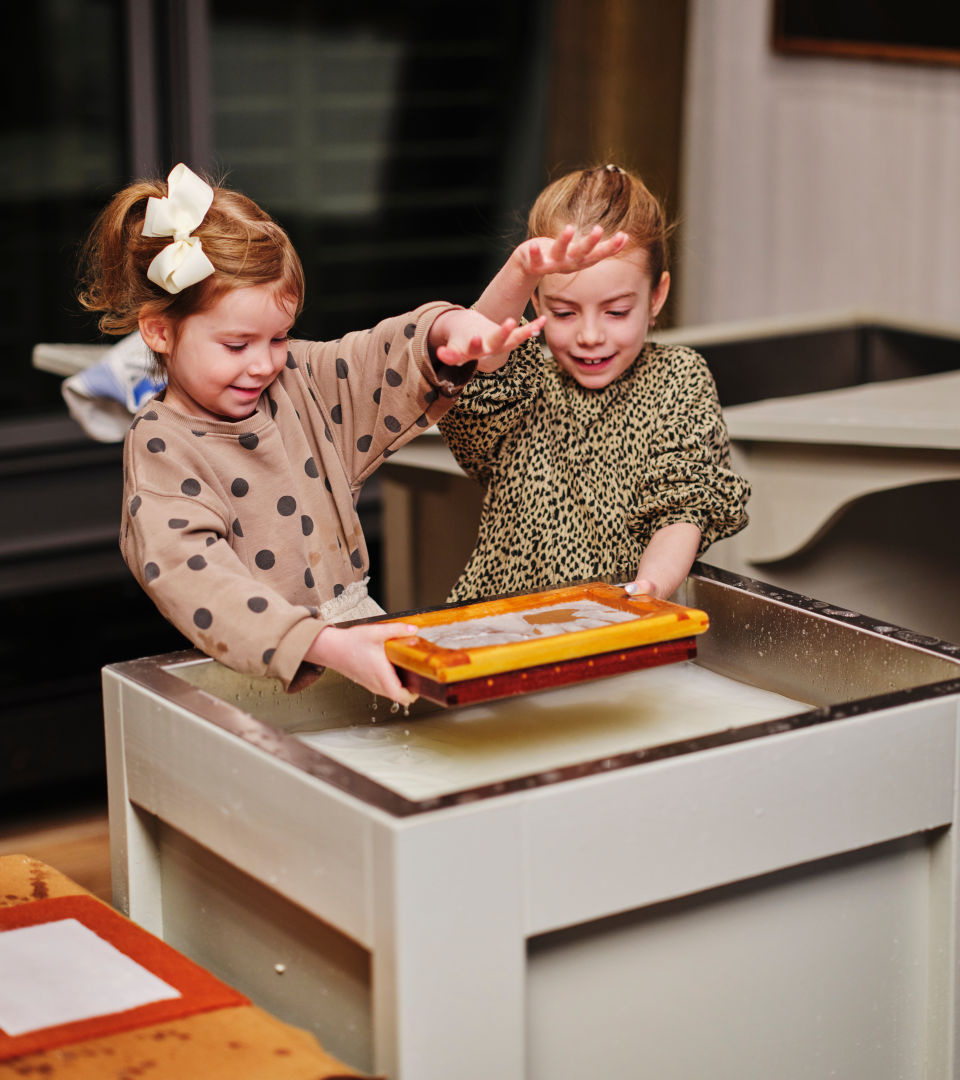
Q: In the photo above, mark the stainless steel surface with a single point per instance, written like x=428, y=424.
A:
x=809, y=649
x=840, y=662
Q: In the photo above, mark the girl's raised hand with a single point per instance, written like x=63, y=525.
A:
x=357, y=652
x=462, y=335
x=568, y=252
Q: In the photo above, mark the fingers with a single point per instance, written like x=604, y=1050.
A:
x=506, y=337
x=641, y=587
x=560, y=248
x=593, y=248
x=394, y=689
x=567, y=253
x=522, y=333
x=582, y=248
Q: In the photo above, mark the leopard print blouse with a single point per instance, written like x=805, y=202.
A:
x=577, y=481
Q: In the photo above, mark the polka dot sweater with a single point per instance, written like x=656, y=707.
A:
x=577, y=480
x=245, y=533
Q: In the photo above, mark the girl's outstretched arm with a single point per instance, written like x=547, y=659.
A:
x=506, y=297
x=357, y=652
x=666, y=561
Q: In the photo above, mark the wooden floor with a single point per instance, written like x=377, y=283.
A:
x=77, y=843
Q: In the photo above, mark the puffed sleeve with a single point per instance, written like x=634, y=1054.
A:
x=379, y=388
x=176, y=547
x=689, y=478
x=490, y=408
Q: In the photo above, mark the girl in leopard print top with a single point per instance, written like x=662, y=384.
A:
x=608, y=458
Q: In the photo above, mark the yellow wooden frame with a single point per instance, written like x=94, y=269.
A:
x=657, y=620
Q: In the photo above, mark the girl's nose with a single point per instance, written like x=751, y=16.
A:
x=259, y=361
x=589, y=331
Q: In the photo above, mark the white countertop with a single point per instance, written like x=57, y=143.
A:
x=917, y=412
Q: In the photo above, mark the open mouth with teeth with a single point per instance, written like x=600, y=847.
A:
x=592, y=361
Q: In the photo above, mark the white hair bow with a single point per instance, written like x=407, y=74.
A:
x=183, y=262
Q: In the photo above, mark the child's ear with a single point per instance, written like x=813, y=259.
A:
x=157, y=332
x=659, y=295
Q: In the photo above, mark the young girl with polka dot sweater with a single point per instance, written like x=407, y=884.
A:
x=609, y=458
x=241, y=478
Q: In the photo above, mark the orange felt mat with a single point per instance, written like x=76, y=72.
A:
x=211, y=1031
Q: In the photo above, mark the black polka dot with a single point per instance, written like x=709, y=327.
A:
x=239, y=487
x=431, y=395
x=336, y=414
x=392, y=424
x=309, y=369
x=137, y=421
x=376, y=395
x=257, y=604
x=337, y=590
x=291, y=363
x=178, y=523
x=190, y=486
x=386, y=347
x=363, y=443
x=151, y=571
x=156, y=446
x=265, y=559
x=135, y=505
x=237, y=531
x=388, y=452
x=355, y=558
x=249, y=442
x=326, y=484
x=312, y=395
x=197, y=562
x=268, y=656
x=342, y=370
x=409, y=330
x=308, y=578
x=310, y=468
x=199, y=434
x=393, y=378
x=327, y=433
x=422, y=421
x=286, y=505
x=202, y=618
x=210, y=541
x=306, y=523
x=151, y=415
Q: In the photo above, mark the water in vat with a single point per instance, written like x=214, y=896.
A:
x=453, y=749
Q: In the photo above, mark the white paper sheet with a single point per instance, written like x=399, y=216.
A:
x=60, y=972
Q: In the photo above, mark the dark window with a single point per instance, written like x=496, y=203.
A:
x=385, y=140
x=63, y=152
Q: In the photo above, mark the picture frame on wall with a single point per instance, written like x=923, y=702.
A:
x=926, y=31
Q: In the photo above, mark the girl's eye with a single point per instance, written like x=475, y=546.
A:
x=235, y=348
x=561, y=314
x=280, y=340
x=619, y=314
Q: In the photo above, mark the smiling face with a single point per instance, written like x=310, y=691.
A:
x=597, y=319
x=219, y=361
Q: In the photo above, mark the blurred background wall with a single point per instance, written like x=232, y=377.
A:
x=815, y=183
